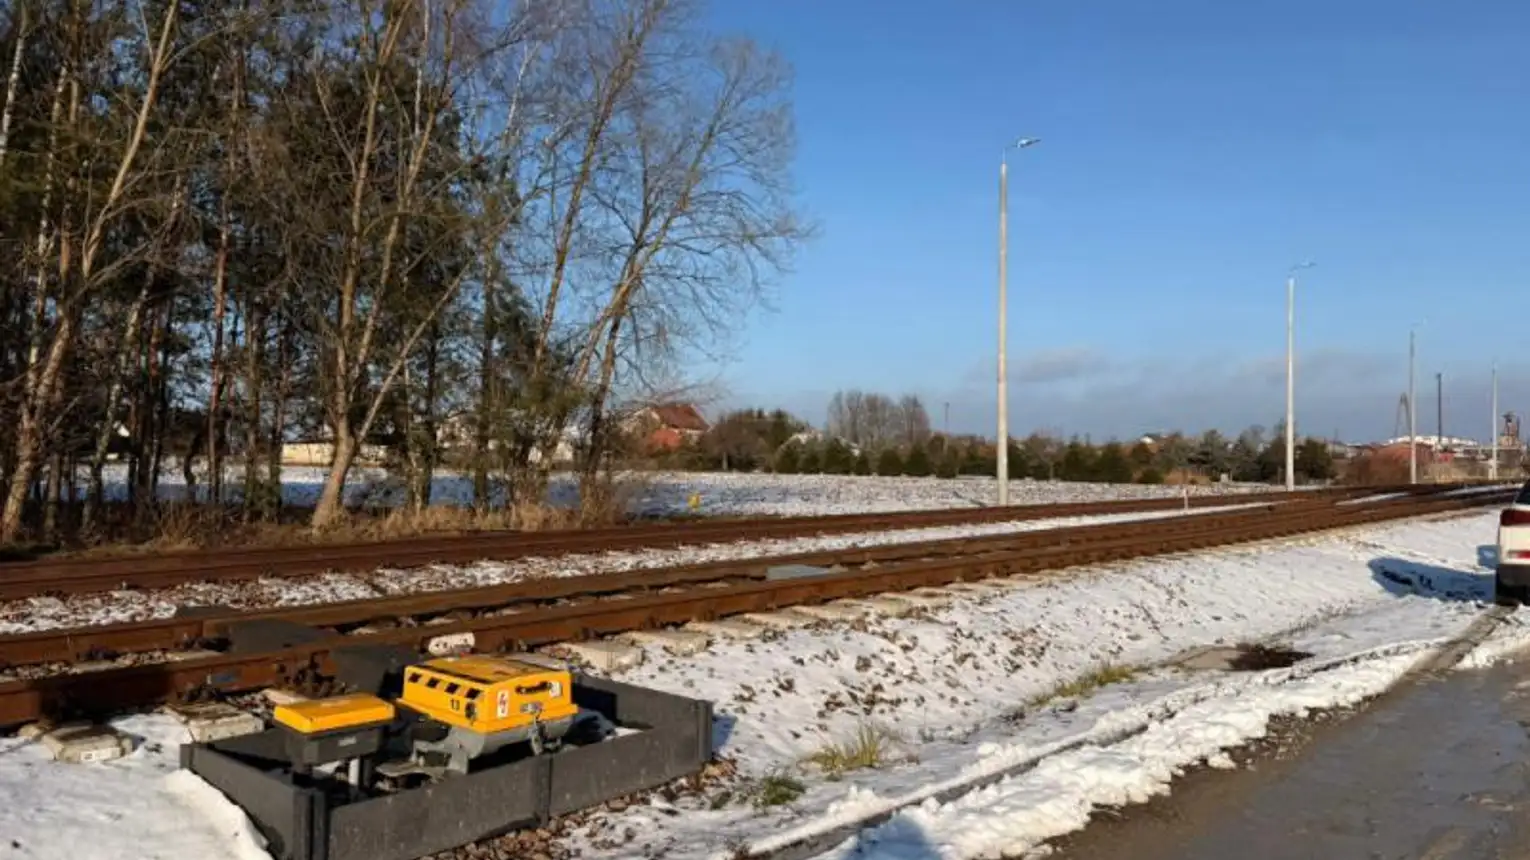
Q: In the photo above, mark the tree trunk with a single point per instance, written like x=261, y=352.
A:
x=279, y=424
x=95, y=494
x=254, y=350
x=487, y=401
x=30, y=430
x=12, y=81
x=332, y=498
x=52, y=500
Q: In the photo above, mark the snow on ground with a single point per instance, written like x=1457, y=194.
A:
x=141, y=807
x=962, y=690
x=963, y=694
x=722, y=493
x=45, y=613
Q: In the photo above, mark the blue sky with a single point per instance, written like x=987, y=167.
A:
x=1192, y=150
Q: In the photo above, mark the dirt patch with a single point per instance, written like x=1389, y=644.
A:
x=1257, y=658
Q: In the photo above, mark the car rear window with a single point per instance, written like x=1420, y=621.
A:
x=1524, y=495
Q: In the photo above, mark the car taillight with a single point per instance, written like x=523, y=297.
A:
x=1514, y=517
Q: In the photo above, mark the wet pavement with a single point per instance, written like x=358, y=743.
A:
x=1439, y=769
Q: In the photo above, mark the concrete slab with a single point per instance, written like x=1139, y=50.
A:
x=605, y=655
x=681, y=642
x=282, y=697
x=728, y=628
x=924, y=598
x=194, y=654
x=795, y=571
x=985, y=588
x=836, y=611
x=781, y=619
x=85, y=666
x=81, y=743
x=881, y=606
x=214, y=721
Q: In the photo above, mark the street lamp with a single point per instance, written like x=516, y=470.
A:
x=1291, y=373
x=1003, y=446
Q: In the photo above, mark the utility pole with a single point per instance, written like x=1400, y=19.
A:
x=948, y=419
x=1291, y=374
x=1003, y=440
x=1493, y=463
x=1412, y=410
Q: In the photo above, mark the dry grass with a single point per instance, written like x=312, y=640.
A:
x=777, y=788
x=1102, y=676
x=870, y=746
x=175, y=526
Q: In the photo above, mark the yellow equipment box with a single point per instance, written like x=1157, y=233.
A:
x=336, y=713
x=488, y=694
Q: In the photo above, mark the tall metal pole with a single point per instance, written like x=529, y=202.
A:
x=1412, y=410
x=1439, y=404
x=1493, y=463
x=1003, y=440
x=1291, y=383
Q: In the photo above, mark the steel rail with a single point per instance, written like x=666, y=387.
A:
x=84, y=575
x=113, y=690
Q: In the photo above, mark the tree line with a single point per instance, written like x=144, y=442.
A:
x=409, y=226
x=876, y=434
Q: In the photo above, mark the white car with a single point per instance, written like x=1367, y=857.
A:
x=1511, y=584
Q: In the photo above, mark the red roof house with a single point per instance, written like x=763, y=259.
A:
x=668, y=426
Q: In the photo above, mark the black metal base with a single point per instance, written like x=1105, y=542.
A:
x=303, y=820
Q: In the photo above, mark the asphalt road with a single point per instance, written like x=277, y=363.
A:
x=1439, y=770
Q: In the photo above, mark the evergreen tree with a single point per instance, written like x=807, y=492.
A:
x=889, y=463
x=788, y=459
x=1077, y=462
x=837, y=459
x=1314, y=461
x=918, y=462
x=811, y=460
x=1112, y=466
x=1211, y=454
x=862, y=464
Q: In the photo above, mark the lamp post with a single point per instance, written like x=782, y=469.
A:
x=1003, y=441
x=1291, y=373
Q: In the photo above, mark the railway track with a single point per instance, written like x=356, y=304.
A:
x=85, y=575
x=544, y=616
x=211, y=625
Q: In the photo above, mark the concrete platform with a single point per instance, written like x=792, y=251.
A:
x=728, y=628
x=888, y=606
x=605, y=655
x=836, y=611
x=215, y=721
x=80, y=743
x=781, y=619
x=680, y=642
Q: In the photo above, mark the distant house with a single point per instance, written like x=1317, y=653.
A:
x=666, y=427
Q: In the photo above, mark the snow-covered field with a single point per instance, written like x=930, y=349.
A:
x=721, y=493
x=960, y=695
x=44, y=613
